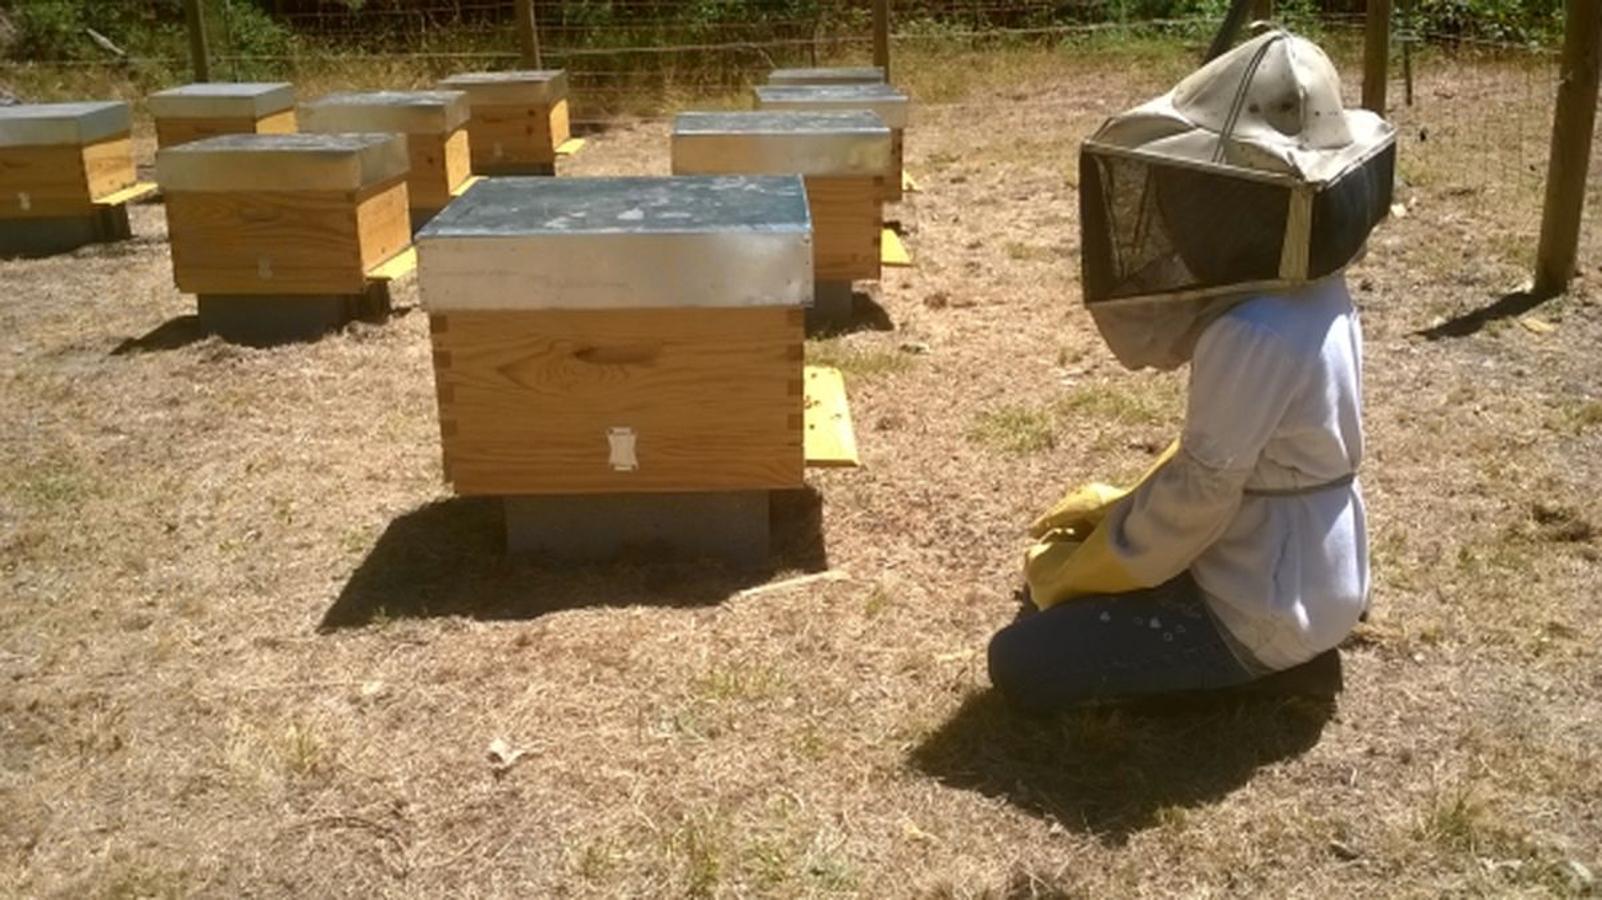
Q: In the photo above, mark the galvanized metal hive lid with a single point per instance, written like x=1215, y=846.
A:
x=69, y=124
x=847, y=143
x=282, y=162
x=890, y=104
x=619, y=243
x=542, y=86
x=832, y=75
x=406, y=112
x=223, y=100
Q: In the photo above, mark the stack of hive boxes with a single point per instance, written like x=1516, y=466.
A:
x=62, y=169
x=519, y=119
x=197, y=111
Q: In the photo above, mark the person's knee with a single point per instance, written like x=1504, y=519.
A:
x=1010, y=662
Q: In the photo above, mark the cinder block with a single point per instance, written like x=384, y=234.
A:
x=729, y=525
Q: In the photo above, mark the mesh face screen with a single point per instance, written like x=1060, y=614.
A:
x=1347, y=210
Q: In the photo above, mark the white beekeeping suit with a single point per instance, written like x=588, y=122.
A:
x=1217, y=221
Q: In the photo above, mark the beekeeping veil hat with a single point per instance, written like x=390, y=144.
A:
x=1247, y=177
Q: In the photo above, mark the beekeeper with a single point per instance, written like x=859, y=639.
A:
x=1217, y=220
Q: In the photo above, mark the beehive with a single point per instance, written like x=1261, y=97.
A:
x=197, y=111
x=435, y=126
x=284, y=214
x=833, y=75
x=620, y=335
x=57, y=159
x=519, y=119
x=842, y=156
x=888, y=103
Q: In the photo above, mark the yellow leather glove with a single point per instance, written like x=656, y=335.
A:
x=1083, y=508
x=1058, y=570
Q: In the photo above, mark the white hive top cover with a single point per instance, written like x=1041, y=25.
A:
x=1247, y=177
x=404, y=112
x=283, y=162
x=619, y=243
x=890, y=104
x=223, y=100
x=836, y=144
x=833, y=75
x=541, y=87
x=63, y=124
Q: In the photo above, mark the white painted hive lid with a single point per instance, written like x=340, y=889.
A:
x=620, y=243
x=849, y=143
x=282, y=162
x=891, y=105
x=404, y=112
x=64, y=124
x=830, y=75
x=223, y=100
x=535, y=86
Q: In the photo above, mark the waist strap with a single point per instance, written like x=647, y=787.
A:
x=1341, y=482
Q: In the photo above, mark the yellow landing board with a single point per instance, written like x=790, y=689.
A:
x=399, y=266
x=570, y=147
x=891, y=251
x=909, y=185
x=467, y=182
x=831, y=441
x=131, y=194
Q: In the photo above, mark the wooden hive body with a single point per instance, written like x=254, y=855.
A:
x=842, y=156
x=198, y=111
x=889, y=104
x=57, y=159
x=627, y=335
x=435, y=124
x=518, y=118
x=284, y=214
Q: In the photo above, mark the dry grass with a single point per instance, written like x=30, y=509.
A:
x=249, y=644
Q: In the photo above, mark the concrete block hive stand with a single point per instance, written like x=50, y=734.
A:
x=66, y=176
x=843, y=158
x=434, y=124
x=891, y=105
x=198, y=111
x=519, y=119
x=286, y=236
x=621, y=358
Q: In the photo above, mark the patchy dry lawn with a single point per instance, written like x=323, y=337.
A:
x=250, y=645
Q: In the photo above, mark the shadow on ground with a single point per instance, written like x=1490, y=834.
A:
x=448, y=559
x=1507, y=307
x=866, y=315
x=1113, y=772
x=173, y=334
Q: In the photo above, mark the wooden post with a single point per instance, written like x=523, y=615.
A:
x=1571, y=148
x=528, y=34
x=1234, y=18
x=1376, y=55
x=1263, y=10
x=881, y=36
x=198, y=55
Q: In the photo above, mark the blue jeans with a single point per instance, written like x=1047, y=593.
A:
x=1154, y=641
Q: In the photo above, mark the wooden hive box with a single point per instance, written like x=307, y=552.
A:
x=842, y=156
x=620, y=335
x=890, y=104
x=197, y=111
x=831, y=75
x=434, y=124
x=57, y=159
x=518, y=119
x=284, y=214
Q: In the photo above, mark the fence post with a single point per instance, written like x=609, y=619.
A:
x=198, y=56
x=881, y=36
x=1263, y=10
x=528, y=34
x=1376, y=55
x=1571, y=148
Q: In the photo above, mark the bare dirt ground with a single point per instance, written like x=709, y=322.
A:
x=249, y=644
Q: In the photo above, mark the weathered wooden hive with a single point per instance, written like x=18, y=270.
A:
x=284, y=214
x=831, y=75
x=197, y=111
x=433, y=122
x=620, y=335
x=519, y=119
x=58, y=159
x=889, y=104
x=842, y=156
